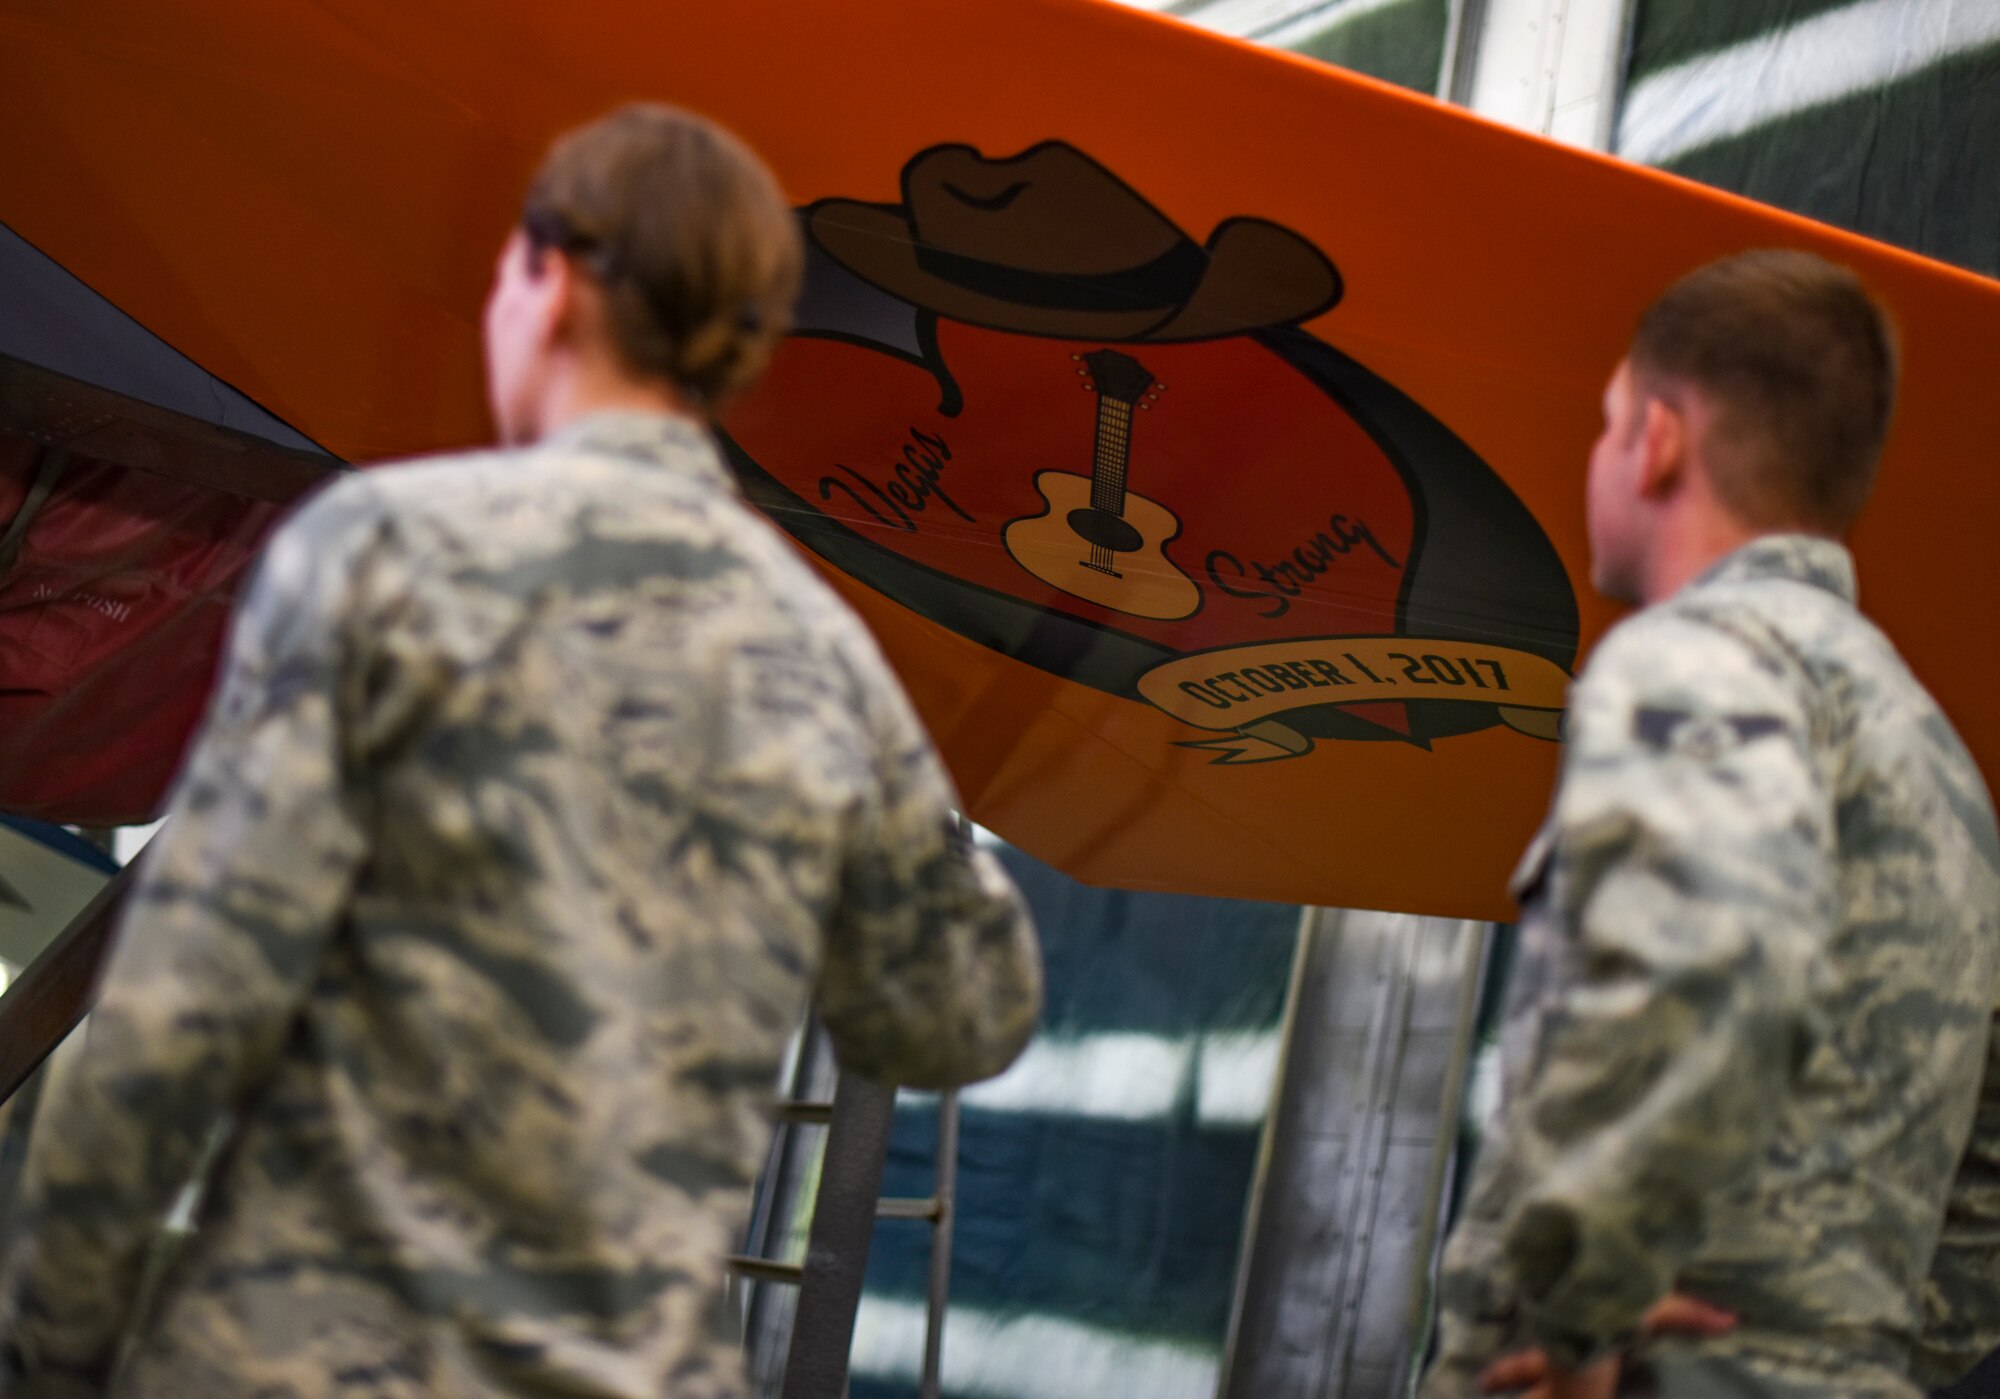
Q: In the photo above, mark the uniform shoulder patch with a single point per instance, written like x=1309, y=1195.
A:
x=1701, y=736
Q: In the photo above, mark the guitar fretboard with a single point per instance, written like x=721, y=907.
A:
x=1108, y=467
x=1114, y=444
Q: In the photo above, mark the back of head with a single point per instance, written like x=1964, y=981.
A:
x=689, y=236
x=1798, y=363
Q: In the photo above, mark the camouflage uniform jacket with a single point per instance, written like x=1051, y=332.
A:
x=540, y=791
x=1745, y=1044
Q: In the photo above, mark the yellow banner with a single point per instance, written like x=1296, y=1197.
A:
x=1241, y=687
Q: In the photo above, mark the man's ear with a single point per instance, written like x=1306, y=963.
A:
x=1663, y=448
x=554, y=279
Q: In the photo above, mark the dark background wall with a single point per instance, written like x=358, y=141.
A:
x=1911, y=155
x=1102, y=1180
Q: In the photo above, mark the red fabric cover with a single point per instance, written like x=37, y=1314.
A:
x=111, y=621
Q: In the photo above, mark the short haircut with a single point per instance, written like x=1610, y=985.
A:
x=688, y=234
x=1799, y=363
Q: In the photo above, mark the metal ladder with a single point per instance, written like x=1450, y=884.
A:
x=846, y=1207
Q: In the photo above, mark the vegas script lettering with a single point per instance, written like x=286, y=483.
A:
x=910, y=487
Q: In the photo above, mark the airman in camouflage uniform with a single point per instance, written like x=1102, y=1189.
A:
x=1753, y=1017
x=541, y=789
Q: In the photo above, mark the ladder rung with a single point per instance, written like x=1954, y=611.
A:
x=892, y=1208
x=798, y=1110
x=763, y=1269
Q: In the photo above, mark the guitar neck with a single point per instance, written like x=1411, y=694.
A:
x=1114, y=444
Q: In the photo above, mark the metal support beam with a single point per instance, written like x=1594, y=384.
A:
x=48, y=407
x=47, y=1000
x=1555, y=67
x=943, y=1202
x=1464, y=23
x=845, y=1167
x=1362, y=1130
x=843, y=1227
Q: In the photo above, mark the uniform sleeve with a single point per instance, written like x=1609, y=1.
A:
x=233, y=905
x=1693, y=874
x=932, y=975
x=1962, y=1300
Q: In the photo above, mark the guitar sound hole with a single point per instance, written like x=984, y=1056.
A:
x=1105, y=530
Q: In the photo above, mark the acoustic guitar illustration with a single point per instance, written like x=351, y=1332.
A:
x=1097, y=540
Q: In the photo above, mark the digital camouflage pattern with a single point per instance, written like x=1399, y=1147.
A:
x=1745, y=1044
x=541, y=790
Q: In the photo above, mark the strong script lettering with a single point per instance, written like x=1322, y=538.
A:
x=1276, y=584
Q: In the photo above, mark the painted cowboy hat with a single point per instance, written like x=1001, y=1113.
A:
x=1049, y=242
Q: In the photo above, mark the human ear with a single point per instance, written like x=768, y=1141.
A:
x=555, y=297
x=1663, y=448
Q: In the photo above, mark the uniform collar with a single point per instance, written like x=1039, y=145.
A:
x=663, y=439
x=1801, y=558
